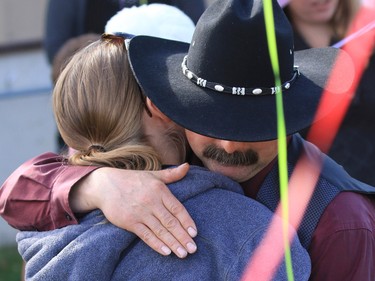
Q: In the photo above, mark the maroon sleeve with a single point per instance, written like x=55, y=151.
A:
x=343, y=245
x=35, y=196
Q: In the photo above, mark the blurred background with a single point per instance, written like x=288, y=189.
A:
x=26, y=125
x=26, y=121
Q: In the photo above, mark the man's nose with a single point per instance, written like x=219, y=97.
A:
x=228, y=146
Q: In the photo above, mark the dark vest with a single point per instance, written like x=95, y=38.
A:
x=333, y=179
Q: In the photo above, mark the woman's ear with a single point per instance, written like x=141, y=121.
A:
x=155, y=111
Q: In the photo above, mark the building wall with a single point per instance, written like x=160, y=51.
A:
x=21, y=21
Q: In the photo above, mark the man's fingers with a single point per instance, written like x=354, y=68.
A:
x=159, y=238
x=172, y=174
x=173, y=226
x=149, y=210
x=151, y=239
x=178, y=211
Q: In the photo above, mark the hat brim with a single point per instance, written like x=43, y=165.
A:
x=157, y=62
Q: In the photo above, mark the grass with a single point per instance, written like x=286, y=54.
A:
x=10, y=264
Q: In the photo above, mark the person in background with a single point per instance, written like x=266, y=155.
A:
x=319, y=24
x=325, y=23
x=66, y=19
x=102, y=114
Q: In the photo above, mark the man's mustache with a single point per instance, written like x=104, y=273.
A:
x=237, y=158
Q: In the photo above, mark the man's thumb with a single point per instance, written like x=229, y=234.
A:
x=174, y=174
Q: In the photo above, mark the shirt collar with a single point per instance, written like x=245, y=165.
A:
x=252, y=185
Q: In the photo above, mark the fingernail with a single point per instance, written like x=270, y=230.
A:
x=191, y=247
x=166, y=250
x=192, y=232
x=181, y=252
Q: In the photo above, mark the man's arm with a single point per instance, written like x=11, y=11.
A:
x=354, y=261
x=140, y=202
x=343, y=244
x=44, y=194
x=28, y=199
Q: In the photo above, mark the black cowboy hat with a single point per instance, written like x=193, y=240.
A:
x=222, y=84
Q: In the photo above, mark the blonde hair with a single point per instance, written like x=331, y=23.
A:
x=98, y=108
x=69, y=48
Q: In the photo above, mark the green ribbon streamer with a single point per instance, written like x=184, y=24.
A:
x=281, y=132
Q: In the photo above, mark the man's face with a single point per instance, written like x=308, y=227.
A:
x=239, y=161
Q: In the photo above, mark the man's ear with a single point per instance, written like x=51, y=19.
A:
x=155, y=111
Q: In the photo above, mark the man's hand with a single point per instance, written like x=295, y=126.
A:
x=140, y=202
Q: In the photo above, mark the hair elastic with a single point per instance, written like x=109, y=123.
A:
x=97, y=147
